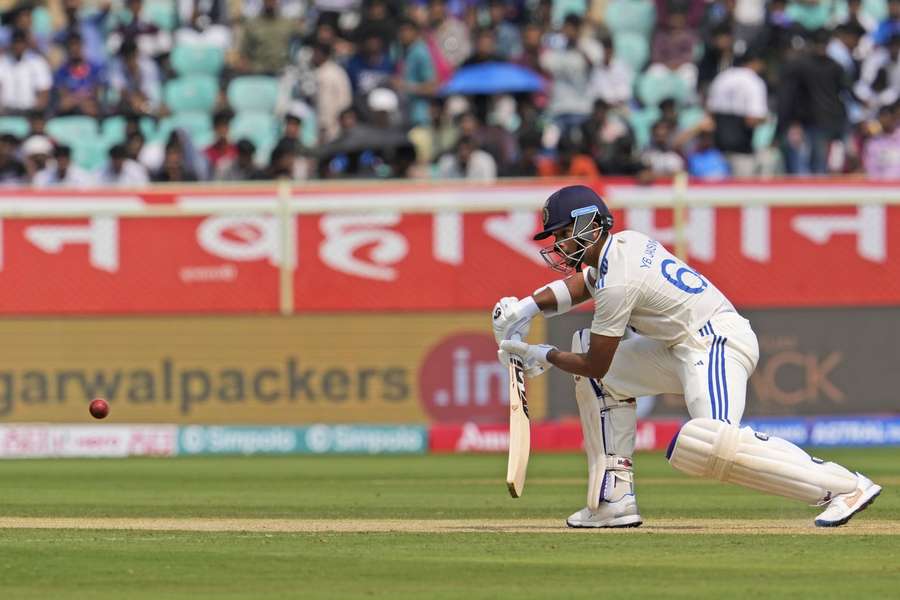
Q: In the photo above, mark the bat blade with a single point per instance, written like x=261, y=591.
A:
x=519, y=429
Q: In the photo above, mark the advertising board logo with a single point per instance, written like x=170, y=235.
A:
x=461, y=381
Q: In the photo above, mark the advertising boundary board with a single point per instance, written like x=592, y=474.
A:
x=240, y=250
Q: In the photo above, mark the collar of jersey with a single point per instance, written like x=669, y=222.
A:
x=603, y=265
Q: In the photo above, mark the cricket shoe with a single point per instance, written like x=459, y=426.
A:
x=843, y=506
x=621, y=513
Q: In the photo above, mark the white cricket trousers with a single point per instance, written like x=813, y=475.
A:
x=711, y=368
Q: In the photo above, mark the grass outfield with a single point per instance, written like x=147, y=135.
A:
x=421, y=527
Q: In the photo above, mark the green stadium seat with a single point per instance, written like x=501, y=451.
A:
x=17, y=126
x=74, y=129
x=161, y=13
x=90, y=154
x=641, y=122
x=690, y=116
x=41, y=22
x=653, y=88
x=632, y=48
x=194, y=93
x=810, y=16
x=198, y=126
x=112, y=130
x=197, y=59
x=633, y=16
x=253, y=93
x=259, y=128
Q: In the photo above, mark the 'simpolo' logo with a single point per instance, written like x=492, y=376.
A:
x=193, y=440
x=319, y=438
x=461, y=381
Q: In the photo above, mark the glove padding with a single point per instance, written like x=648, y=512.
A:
x=510, y=319
x=534, y=356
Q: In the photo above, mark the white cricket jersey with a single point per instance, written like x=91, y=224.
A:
x=640, y=284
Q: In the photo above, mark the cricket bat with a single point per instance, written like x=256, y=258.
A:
x=519, y=428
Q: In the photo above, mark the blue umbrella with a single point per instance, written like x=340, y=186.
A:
x=493, y=78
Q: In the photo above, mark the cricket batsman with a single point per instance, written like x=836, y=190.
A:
x=690, y=340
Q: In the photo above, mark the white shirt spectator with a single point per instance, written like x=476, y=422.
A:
x=878, y=60
x=613, y=83
x=21, y=81
x=217, y=36
x=133, y=174
x=738, y=91
x=480, y=167
x=571, y=73
x=74, y=177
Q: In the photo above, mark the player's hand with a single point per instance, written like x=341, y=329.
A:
x=512, y=317
x=534, y=356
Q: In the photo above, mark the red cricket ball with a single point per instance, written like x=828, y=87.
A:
x=99, y=408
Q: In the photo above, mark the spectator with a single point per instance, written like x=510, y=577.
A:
x=286, y=161
x=297, y=114
x=90, y=25
x=333, y=91
x=25, y=78
x=718, y=55
x=18, y=18
x=572, y=159
x=693, y=11
x=12, y=171
x=485, y=49
x=448, y=37
x=704, y=160
x=63, y=173
x=134, y=81
x=212, y=11
x=738, y=102
x=265, y=41
x=37, y=122
x=222, y=148
x=78, y=83
x=467, y=161
x=841, y=49
x=371, y=66
x=131, y=25
x=239, y=167
x=659, y=156
x=36, y=151
x=174, y=165
x=881, y=154
x=604, y=133
x=570, y=68
x=612, y=80
x=122, y=171
x=509, y=38
x=202, y=30
x=889, y=26
x=532, y=48
x=383, y=107
x=673, y=49
x=811, y=114
x=417, y=78
x=879, y=82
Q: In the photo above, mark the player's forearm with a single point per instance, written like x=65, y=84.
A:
x=576, y=364
x=547, y=300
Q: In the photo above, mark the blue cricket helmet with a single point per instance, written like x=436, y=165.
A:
x=566, y=203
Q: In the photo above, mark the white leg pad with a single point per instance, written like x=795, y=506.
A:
x=609, y=429
x=717, y=450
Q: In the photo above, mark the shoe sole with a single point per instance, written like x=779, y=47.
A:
x=622, y=525
x=862, y=507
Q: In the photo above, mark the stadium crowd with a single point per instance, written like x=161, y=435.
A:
x=131, y=91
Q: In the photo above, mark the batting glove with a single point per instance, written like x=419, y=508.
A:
x=512, y=317
x=534, y=356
